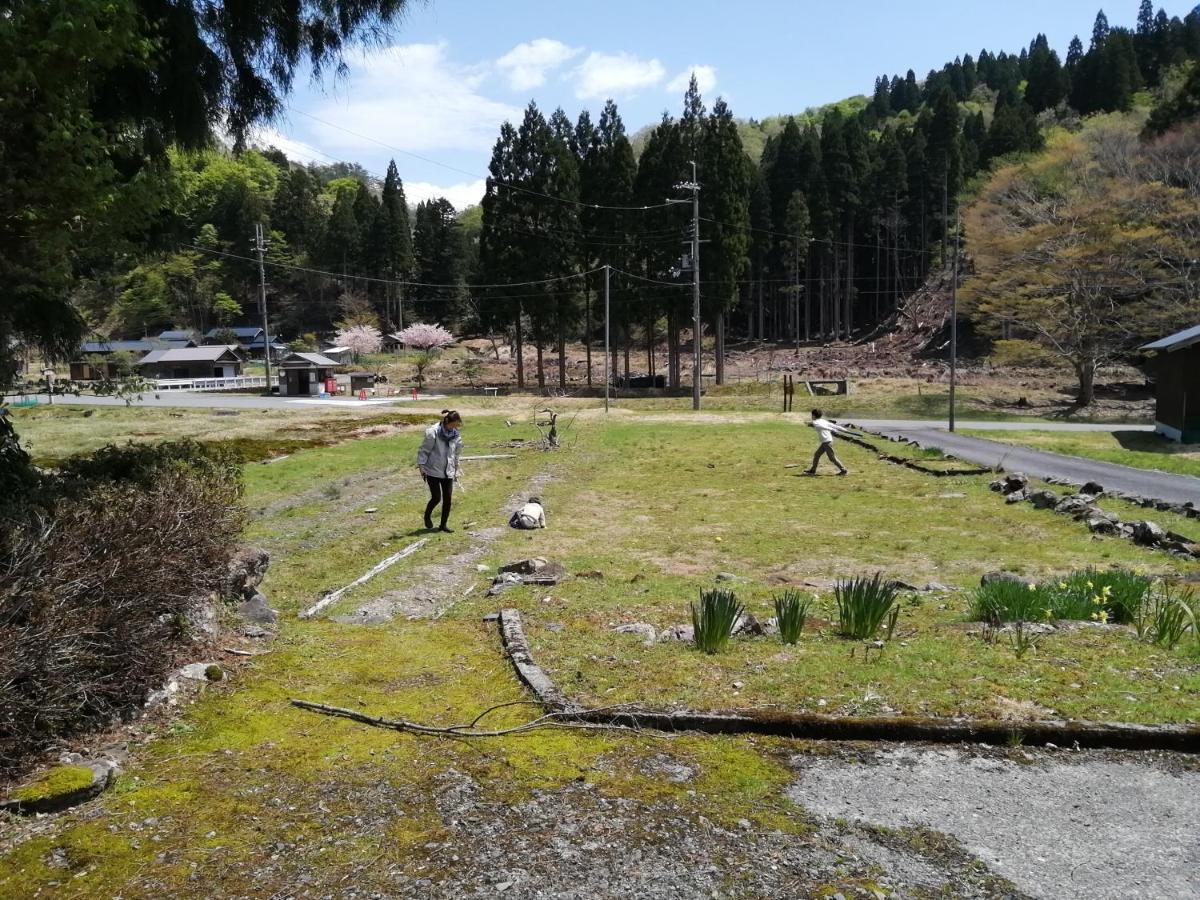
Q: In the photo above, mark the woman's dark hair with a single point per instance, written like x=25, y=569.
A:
x=817, y=414
x=450, y=415
x=537, y=500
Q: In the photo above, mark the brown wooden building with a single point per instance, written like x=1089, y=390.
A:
x=191, y=362
x=1176, y=370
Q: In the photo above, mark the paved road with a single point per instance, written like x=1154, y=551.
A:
x=1043, y=464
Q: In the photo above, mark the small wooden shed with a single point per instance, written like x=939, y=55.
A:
x=191, y=362
x=304, y=374
x=1176, y=370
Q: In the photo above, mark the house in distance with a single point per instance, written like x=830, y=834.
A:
x=191, y=362
x=1176, y=368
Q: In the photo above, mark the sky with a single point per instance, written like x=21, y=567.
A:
x=434, y=98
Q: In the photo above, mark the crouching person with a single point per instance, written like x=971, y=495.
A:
x=530, y=516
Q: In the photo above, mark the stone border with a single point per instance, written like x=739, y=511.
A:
x=914, y=464
x=102, y=776
x=815, y=726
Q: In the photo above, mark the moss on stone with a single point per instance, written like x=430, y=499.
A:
x=55, y=782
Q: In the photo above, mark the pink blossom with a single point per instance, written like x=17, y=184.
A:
x=420, y=336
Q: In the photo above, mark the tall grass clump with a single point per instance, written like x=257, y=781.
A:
x=1110, y=595
x=863, y=604
x=791, y=609
x=714, y=618
x=1168, y=616
x=1009, y=601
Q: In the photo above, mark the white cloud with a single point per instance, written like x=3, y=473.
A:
x=462, y=195
x=706, y=79
x=526, y=65
x=412, y=97
x=604, y=75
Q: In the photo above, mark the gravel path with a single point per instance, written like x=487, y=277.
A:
x=1055, y=824
x=1043, y=464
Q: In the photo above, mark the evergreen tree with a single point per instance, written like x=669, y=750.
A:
x=390, y=244
x=499, y=258
x=437, y=252
x=1074, y=54
x=340, y=246
x=1047, y=81
x=944, y=152
x=295, y=210
x=725, y=177
x=1100, y=30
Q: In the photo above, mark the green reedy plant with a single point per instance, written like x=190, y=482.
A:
x=791, y=610
x=1009, y=601
x=714, y=618
x=1172, y=615
x=863, y=604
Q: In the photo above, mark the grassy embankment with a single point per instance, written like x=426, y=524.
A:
x=1140, y=449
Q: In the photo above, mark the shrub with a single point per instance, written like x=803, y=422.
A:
x=791, y=609
x=97, y=580
x=714, y=618
x=1119, y=593
x=1009, y=601
x=863, y=604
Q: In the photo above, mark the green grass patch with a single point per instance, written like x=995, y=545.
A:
x=1140, y=449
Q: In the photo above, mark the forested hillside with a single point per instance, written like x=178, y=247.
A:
x=815, y=227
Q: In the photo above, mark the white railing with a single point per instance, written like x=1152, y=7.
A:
x=235, y=383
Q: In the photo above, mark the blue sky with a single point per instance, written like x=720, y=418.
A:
x=456, y=69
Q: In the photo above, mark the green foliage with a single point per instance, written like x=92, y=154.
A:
x=863, y=604
x=714, y=618
x=1009, y=601
x=1017, y=353
x=791, y=610
x=1170, y=615
x=1117, y=593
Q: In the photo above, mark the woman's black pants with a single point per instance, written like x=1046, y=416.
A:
x=441, y=490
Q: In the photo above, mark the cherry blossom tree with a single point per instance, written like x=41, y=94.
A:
x=360, y=339
x=426, y=340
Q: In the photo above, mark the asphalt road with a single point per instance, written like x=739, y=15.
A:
x=220, y=400
x=1043, y=464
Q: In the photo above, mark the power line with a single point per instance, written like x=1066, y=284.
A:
x=400, y=281
x=476, y=175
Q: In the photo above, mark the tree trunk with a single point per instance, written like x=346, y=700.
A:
x=1085, y=371
x=520, y=351
x=541, y=370
x=849, y=317
x=837, y=300
x=650, y=346
x=562, y=358
x=628, y=340
x=587, y=332
x=762, y=333
x=720, y=348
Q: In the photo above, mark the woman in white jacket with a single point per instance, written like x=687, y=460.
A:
x=438, y=461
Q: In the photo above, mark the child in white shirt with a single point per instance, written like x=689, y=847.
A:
x=825, y=431
x=530, y=516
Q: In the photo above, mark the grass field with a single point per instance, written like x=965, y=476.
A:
x=1141, y=449
x=658, y=503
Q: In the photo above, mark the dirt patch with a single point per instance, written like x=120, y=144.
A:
x=431, y=589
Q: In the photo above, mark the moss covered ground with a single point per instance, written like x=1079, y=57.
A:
x=246, y=795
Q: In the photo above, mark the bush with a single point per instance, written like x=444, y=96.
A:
x=1118, y=594
x=791, y=609
x=1168, y=616
x=713, y=620
x=863, y=604
x=1009, y=601
x=98, y=579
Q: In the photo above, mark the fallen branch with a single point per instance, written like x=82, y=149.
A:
x=563, y=719
x=489, y=456
x=337, y=595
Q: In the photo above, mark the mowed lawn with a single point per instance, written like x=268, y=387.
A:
x=662, y=508
x=1140, y=449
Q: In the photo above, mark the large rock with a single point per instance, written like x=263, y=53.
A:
x=683, y=633
x=257, y=610
x=245, y=573
x=1016, y=496
x=1075, y=506
x=1099, y=523
x=1148, y=534
x=1013, y=482
x=536, y=570
x=1092, y=489
x=748, y=624
x=62, y=787
x=992, y=577
x=646, y=631
x=1043, y=499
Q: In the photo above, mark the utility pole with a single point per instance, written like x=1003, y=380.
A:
x=606, y=336
x=261, y=247
x=954, y=316
x=694, y=187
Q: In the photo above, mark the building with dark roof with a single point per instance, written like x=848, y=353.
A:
x=191, y=362
x=1176, y=370
x=304, y=374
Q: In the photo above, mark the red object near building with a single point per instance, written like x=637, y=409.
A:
x=331, y=386
x=414, y=393
x=362, y=395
